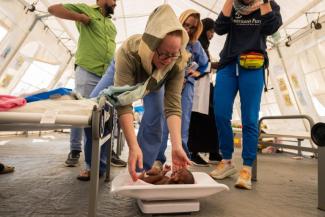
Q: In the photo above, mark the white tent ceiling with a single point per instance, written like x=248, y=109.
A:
x=131, y=15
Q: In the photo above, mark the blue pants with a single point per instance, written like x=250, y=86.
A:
x=187, y=103
x=249, y=83
x=84, y=84
x=151, y=127
x=106, y=81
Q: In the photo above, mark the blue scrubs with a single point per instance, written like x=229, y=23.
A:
x=199, y=56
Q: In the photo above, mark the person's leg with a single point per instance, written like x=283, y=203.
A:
x=214, y=156
x=187, y=104
x=224, y=94
x=250, y=89
x=84, y=84
x=150, y=130
x=161, y=155
x=106, y=81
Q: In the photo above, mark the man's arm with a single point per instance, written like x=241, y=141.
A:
x=60, y=11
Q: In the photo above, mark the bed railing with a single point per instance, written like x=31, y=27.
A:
x=320, y=151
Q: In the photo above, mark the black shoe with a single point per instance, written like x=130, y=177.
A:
x=116, y=161
x=214, y=158
x=198, y=161
x=73, y=159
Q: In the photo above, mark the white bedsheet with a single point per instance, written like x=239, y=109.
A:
x=58, y=111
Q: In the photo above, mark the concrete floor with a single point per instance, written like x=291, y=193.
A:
x=42, y=186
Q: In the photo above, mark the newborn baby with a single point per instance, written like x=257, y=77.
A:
x=158, y=177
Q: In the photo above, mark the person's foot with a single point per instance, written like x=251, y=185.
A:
x=6, y=169
x=116, y=161
x=84, y=175
x=244, y=180
x=223, y=170
x=73, y=159
x=214, y=158
x=197, y=160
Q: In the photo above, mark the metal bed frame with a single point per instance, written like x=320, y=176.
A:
x=319, y=152
x=102, y=113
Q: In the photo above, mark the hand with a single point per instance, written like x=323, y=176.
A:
x=179, y=159
x=194, y=74
x=135, y=157
x=83, y=18
x=214, y=65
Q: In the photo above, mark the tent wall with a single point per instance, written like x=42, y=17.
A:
x=28, y=39
x=298, y=74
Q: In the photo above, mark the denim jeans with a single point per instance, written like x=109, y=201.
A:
x=85, y=82
x=106, y=81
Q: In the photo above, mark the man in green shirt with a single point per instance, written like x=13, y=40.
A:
x=96, y=47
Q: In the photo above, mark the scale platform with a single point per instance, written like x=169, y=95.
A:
x=160, y=199
x=168, y=206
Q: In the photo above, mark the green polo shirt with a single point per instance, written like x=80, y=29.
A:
x=96, y=43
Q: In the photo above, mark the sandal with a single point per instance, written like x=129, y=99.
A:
x=6, y=169
x=84, y=175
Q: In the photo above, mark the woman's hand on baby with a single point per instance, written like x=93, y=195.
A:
x=135, y=159
x=179, y=159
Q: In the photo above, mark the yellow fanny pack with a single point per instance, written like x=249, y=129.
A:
x=251, y=60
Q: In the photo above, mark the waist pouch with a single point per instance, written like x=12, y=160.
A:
x=251, y=60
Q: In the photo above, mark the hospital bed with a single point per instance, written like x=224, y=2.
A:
x=297, y=137
x=67, y=113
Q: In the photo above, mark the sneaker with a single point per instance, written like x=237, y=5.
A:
x=198, y=161
x=116, y=161
x=223, y=170
x=214, y=158
x=73, y=159
x=244, y=180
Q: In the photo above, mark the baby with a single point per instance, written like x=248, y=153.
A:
x=158, y=177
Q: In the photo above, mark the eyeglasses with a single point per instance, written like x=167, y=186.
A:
x=189, y=27
x=166, y=56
